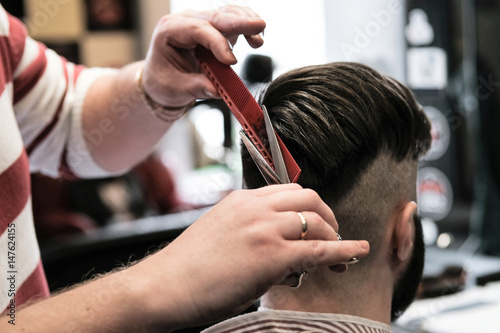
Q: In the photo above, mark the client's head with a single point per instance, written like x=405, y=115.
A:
x=357, y=136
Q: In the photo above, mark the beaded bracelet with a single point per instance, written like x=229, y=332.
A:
x=165, y=113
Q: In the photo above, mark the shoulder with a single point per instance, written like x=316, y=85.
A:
x=296, y=321
x=12, y=39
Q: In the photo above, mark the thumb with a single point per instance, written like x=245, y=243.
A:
x=200, y=86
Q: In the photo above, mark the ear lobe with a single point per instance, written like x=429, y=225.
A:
x=404, y=231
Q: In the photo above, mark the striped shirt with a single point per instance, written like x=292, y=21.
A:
x=41, y=96
x=274, y=321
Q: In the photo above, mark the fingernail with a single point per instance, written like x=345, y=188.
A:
x=231, y=55
x=208, y=93
x=340, y=268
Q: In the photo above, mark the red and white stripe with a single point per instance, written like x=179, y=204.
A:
x=292, y=321
x=41, y=97
x=15, y=203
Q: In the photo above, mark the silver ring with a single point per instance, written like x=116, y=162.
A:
x=304, y=226
x=294, y=280
x=298, y=276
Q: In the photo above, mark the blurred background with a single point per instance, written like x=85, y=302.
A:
x=446, y=51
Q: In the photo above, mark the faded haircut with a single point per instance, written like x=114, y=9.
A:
x=357, y=136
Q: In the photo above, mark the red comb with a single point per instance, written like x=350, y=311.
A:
x=243, y=106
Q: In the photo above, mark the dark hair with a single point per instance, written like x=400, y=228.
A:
x=337, y=120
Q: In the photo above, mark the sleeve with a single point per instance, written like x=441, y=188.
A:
x=48, y=97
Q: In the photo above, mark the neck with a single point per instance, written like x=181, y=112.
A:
x=358, y=292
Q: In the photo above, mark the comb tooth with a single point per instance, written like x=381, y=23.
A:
x=237, y=90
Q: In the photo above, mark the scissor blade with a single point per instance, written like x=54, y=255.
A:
x=265, y=169
x=279, y=162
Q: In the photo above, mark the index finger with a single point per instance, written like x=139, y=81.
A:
x=255, y=40
x=270, y=189
x=234, y=20
x=231, y=23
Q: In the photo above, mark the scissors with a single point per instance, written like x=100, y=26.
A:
x=278, y=175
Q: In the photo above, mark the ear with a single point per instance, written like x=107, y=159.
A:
x=404, y=231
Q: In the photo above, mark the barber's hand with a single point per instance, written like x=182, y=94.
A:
x=172, y=76
x=247, y=243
